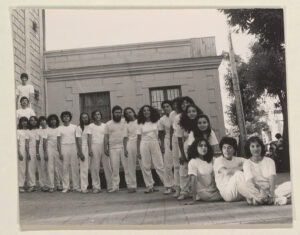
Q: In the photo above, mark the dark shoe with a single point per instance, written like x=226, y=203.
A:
x=131, y=190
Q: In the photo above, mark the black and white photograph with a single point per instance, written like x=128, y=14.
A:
x=151, y=117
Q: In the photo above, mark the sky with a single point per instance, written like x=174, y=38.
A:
x=75, y=28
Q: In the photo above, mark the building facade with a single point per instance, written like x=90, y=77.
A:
x=28, y=43
x=133, y=75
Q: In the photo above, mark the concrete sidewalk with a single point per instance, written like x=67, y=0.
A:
x=74, y=209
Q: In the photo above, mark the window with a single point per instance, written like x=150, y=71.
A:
x=92, y=101
x=157, y=95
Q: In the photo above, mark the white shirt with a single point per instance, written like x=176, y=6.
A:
x=82, y=134
x=97, y=132
x=165, y=125
x=42, y=135
x=212, y=139
x=172, y=116
x=116, y=131
x=22, y=136
x=220, y=162
x=24, y=91
x=148, y=131
x=131, y=130
x=175, y=118
x=28, y=112
x=67, y=134
x=260, y=171
x=51, y=136
x=32, y=136
x=204, y=174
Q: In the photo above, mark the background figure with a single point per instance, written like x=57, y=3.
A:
x=24, y=110
x=24, y=90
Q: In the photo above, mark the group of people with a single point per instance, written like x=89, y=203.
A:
x=180, y=145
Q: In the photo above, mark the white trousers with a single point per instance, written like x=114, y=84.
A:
x=84, y=168
x=31, y=167
x=99, y=156
x=151, y=153
x=22, y=167
x=176, y=165
x=117, y=155
x=132, y=152
x=42, y=167
x=70, y=160
x=54, y=167
x=168, y=164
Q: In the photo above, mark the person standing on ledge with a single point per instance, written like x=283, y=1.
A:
x=25, y=89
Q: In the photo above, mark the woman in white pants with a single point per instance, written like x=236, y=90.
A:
x=67, y=152
x=260, y=172
x=164, y=130
x=82, y=150
x=21, y=138
x=32, y=152
x=96, y=132
x=54, y=163
x=130, y=148
x=148, y=148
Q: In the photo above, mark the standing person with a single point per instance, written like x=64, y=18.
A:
x=260, y=172
x=24, y=90
x=32, y=152
x=113, y=147
x=148, y=148
x=96, y=132
x=82, y=150
x=200, y=168
x=42, y=163
x=130, y=148
x=24, y=111
x=203, y=129
x=54, y=163
x=187, y=123
x=21, y=138
x=164, y=130
x=174, y=119
x=67, y=152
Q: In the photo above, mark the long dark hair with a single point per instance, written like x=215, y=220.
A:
x=37, y=121
x=125, y=116
x=193, y=152
x=50, y=117
x=81, y=124
x=154, y=115
x=186, y=123
x=198, y=133
x=22, y=119
x=41, y=118
x=254, y=139
x=182, y=99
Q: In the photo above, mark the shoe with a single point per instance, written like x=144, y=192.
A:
x=84, y=191
x=176, y=194
x=149, y=190
x=168, y=191
x=131, y=190
x=113, y=190
x=181, y=197
x=30, y=189
x=65, y=190
x=45, y=189
x=76, y=190
x=96, y=190
x=280, y=201
x=51, y=190
x=59, y=188
x=21, y=190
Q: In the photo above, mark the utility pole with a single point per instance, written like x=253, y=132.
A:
x=238, y=98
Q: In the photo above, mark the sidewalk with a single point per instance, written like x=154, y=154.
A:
x=73, y=209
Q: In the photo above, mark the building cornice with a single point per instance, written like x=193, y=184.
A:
x=133, y=69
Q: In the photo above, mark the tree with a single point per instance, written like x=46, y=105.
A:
x=266, y=68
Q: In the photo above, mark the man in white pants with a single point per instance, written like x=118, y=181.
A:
x=113, y=146
x=67, y=152
x=164, y=129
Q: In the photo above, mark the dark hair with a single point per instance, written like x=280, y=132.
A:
x=176, y=101
x=50, y=117
x=193, y=152
x=94, y=112
x=197, y=132
x=166, y=102
x=22, y=119
x=278, y=136
x=24, y=75
x=254, y=139
x=66, y=113
x=154, y=115
x=81, y=124
x=117, y=107
x=30, y=126
x=186, y=123
x=41, y=118
x=228, y=140
x=125, y=116
x=24, y=98
x=184, y=98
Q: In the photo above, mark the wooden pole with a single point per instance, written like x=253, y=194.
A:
x=237, y=95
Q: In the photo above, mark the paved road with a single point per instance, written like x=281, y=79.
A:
x=74, y=209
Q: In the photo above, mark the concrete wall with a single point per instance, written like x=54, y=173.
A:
x=28, y=51
x=191, y=64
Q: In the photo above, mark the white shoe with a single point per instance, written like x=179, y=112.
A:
x=65, y=190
